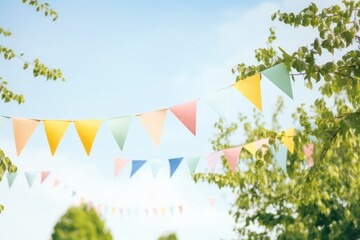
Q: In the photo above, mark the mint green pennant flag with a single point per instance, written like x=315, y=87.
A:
x=119, y=128
x=219, y=102
x=280, y=156
x=279, y=75
x=11, y=178
x=30, y=177
x=192, y=163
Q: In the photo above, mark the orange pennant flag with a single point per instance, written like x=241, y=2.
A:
x=288, y=139
x=250, y=88
x=186, y=113
x=87, y=130
x=153, y=122
x=23, y=129
x=54, y=132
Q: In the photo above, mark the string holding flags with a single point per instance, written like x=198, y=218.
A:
x=153, y=121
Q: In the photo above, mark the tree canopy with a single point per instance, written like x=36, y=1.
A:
x=318, y=202
x=38, y=69
x=80, y=223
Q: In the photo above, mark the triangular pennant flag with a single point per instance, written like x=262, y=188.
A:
x=212, y=201
x=87, y=130
x=56, y=182
x=171, y=209
x=219, y=102
x=136, y=165
x=174, y=164
x=280, y=156
x=181, y=208
x=251, y=148
x=288, y=139
x=186, y=113
x=120, y=164
x=213, y=159
x=23, y=129
x=232, y=155
x=54, y=132
x=313, y=139
x=153, y=122
x=308, y=152
x=279, y=75
x=44, y=175
x=119, y=128
x=30, y=177
x=192, y=163
x=155, y=166
x=11, y=178
x=259, y=144
x=250, y=88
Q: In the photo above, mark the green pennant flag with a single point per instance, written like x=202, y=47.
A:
x=279, y=75
x=119, y=128
x=11, y=178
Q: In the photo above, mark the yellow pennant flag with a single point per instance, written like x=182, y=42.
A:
x=288, y=139
x=23, y=129
x=87, y=130
x=251, y=148
x=55, y=130
x=154, y=122
x=250, y=88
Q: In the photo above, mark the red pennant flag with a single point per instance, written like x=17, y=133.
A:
x=186, y=113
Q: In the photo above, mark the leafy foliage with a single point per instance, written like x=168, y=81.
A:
x=171, y=236
x=322, y=202
x=80, y=223
x=38, y=69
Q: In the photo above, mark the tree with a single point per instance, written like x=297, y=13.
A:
x=38, y=69
x=80, y=223
x=171, y=236
x=321, y=202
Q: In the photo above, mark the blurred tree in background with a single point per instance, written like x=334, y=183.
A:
x=171, y=236
x=318, y=202
x=80, y=223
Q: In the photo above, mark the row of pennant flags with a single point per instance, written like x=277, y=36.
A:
x=154, y=121
x=100, y=208
x=232, y=156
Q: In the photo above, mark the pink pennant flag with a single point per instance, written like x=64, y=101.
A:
x=44, y=175
x=120, y=164
x=56, y=182
x=153, y=122
x=146, y=211
x=259, y=144
x=186, y=113
x=213, y=159
x=155, y=211
x=232, y=155
x=180, y=207
x=308, y=152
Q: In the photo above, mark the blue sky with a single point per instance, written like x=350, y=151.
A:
x=129, y=57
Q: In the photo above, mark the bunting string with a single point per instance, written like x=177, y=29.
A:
x=154, y=121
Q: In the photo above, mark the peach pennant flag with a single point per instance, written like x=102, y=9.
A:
x=87, y=130
x=154, y=122
x=23, y=129
x=120, y=164
x=186, y=113
x=232, y=155
x=250, y=88
x=54, y=132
